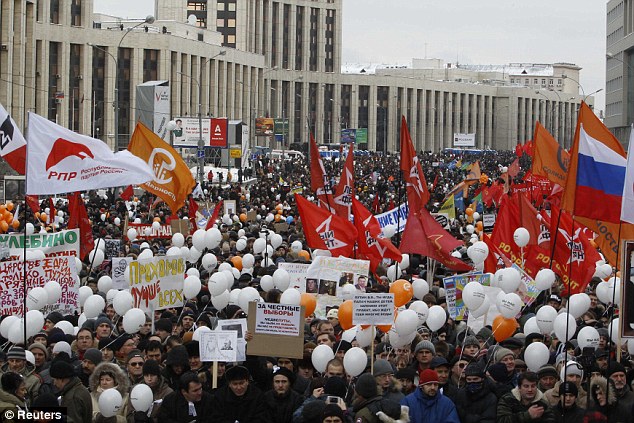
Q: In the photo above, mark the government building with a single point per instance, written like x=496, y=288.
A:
x=264, y=58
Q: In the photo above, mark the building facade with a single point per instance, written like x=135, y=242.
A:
x=262, y=58
x=619, y=89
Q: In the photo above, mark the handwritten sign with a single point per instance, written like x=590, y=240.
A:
x=62, y=243
x=373, y=309
x=297, y=272
x=38, y=273
x=278, y=319
x=119, y=269
x=156, y=283
x=218, y=346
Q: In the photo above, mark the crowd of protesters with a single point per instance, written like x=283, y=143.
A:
x=452, y=375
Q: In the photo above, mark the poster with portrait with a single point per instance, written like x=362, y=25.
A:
x=332, y=273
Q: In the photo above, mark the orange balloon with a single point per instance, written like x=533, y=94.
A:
x=469, y=211
x=403, y=292
x=345, y=315
x=15, y=224
x=503, y=327
x=384, y=328
x=8, y=216
x=37, y=215
x=278, y=217
x=43, y=217
x=4, y=226
x=479, y=226
x=157, y=219
x=237, y=262
x=309, y=302
x=10, y=206
x=279, y=207
x=2, y=208
x=304, y=254
x=243, y=217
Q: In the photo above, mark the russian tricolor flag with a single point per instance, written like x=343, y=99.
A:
x=600, y=180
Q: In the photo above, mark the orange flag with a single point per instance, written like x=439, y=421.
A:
x=550, y=159
x=173, y=181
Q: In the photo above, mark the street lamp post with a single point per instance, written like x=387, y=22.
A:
x=578, y=83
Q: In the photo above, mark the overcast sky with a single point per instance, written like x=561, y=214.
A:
x=463, y=31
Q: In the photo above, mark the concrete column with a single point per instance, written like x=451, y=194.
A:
x=372, y=118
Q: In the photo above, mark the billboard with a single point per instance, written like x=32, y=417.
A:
x=218, y=136
x=463, y=140
x=187, y=132
x=264, y=127
x=354, y=135
x=153, y=106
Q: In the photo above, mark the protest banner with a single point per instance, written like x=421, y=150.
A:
x=284, y=340
x=396, y=216
x=527, y=290
x=118, y=275
x=334, y=272
x=453, y=291
x=62, y=243
x=240, y=327
x=156, y=283
x=147, y=231
x=218, y=346
x=38, y=273
x=297, y=272
x=373, y=309
x=113, y=248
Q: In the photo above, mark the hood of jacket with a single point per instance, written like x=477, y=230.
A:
x=516, y=394
x=120, y=378
x=602, y=382
x=10, y=399
x=28, y=369
x=177, y=356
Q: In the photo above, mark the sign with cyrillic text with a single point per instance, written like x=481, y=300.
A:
x=278, y=319
x=373, y=309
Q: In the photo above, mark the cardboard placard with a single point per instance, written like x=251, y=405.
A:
x=268, y=345
x=281, y=227
x=180, y=226
x=252, y=216
x=373, y=309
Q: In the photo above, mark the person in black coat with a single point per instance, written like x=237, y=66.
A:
x=282, y=399
x=567, y=410
x=176, y=365
x=188, y=404
x=476, y=402
x=239, y=400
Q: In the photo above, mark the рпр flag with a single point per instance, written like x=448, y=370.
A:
x=345, y=189
x=78, y=218
x=370, y=238
x=172, y=180
x=417, y=192
x=12, y=143
x=318, y=179
x=62, y=161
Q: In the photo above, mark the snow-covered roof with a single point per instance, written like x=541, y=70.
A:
x=533, y=69
x=370, y=68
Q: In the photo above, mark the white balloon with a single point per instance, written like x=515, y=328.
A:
x=16, y=332
x=565, y=327
x=545, y=279
x=117, y=221
x=132, y=234
x=615, y=290
x=480, y=311
x=296, y=246
x=281, y=279
x=234, y=295
x=355, y=361
x=247, y=295
x=36, y=298
x=266, y=283
x=79, y=265
x=478, y=252
x=613, y=330
x=522, y=237
x=436, y=318
x=348, y=291
x=421, y=309
x=235, y=274
x=509, y=279
x=404, y=263
x=213, y=237
x=84, y=293
x=579, y=304
x=276, y=240
x=248, y=260
x=290, y=296
x=94, y=305
x=259, y=245
x=110, y=402
x=122, y=302
x=65, y=326
x=192, y=271
x=191, y=286
x=194, y=254
x=603, y=270
x=209, y=262
x=104, y=284
x=398, y=341
x=147, y=231
x=198, y=331
x=156, y=226
x=546, y=319
x=406, y=322
x=530, y=326
x=241, y=244
x=350, y=334
x=34, y=322
x=320, y=357
x=604, y=292
x=389, y=231
x=141, y=397
x=476, y=216
x=473, y=295
x=470, y=229
x=588, y=337
x=510, y=305
x=96, y=257
x=29, y=229
x=133, y=319
x=224, y=266
x=198, y=239
x=323, y=253
x=391, y=273
x=536, y=355
x=217, y=283
x=7, y=323
x=146, y=254
x=420, y=287
x=137, y=220
x=185, y=252
x=178, y=240
x=222, y=300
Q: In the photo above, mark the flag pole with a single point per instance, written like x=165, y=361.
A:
x=24, y=261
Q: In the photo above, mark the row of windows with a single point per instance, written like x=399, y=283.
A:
x=527, y=81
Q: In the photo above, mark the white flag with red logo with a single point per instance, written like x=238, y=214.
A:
x=60, y=160
x=12, y=142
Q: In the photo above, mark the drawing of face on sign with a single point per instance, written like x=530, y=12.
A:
x=119, y=270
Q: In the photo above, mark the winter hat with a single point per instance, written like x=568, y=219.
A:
x=547, y=370
x=498, y=372
x=474, y=369
x=312, y=411
x=237, y=373
x=438, y=362
x=336, y=386
x=61, y=368
x=93, y=355
x=500, y=353
x=16, y=353
x=56, y=335
x=151, y=367
x=332, y=410
x=62, y=346
x=366, y=386
x=571, y=368
x=471, y=340
x=101, y=320
x=616, y=367
x=341, y=345
x=406, y=373
x=428, y=376
x=381, y=367
x=283, y=371
x=164, y=325
x=568, y=388
x=55, y=317
x=425, y=345
x=38, y=346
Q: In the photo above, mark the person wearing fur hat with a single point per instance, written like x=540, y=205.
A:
x=74, y=396
x=189, y=404
x=239, y=400
x=571, y=372
x=368, y=402
x=106, y=376
x=525, y=403
x=12, y=394
x=476, y=402
x=605, y=406
x=282, y=399
x=427, y=404
x=616, y=372
x=567, y=410
x=16, y=362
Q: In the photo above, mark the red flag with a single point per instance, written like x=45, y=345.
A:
x=78, y=218
x=52, y=213
x=214, y=215
x=345, y=189
x=325, y=230
x=528, y=148
x=127, y=193
x=192, y=208
x=318, y=178
x=376, y=207
x=514, y=168
x=34, y=202
x=433, y=186
x=519, y=150
x=570, y=247
x=424, y=236
x=417, y=192
x=496, y=258
x=370, y=239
